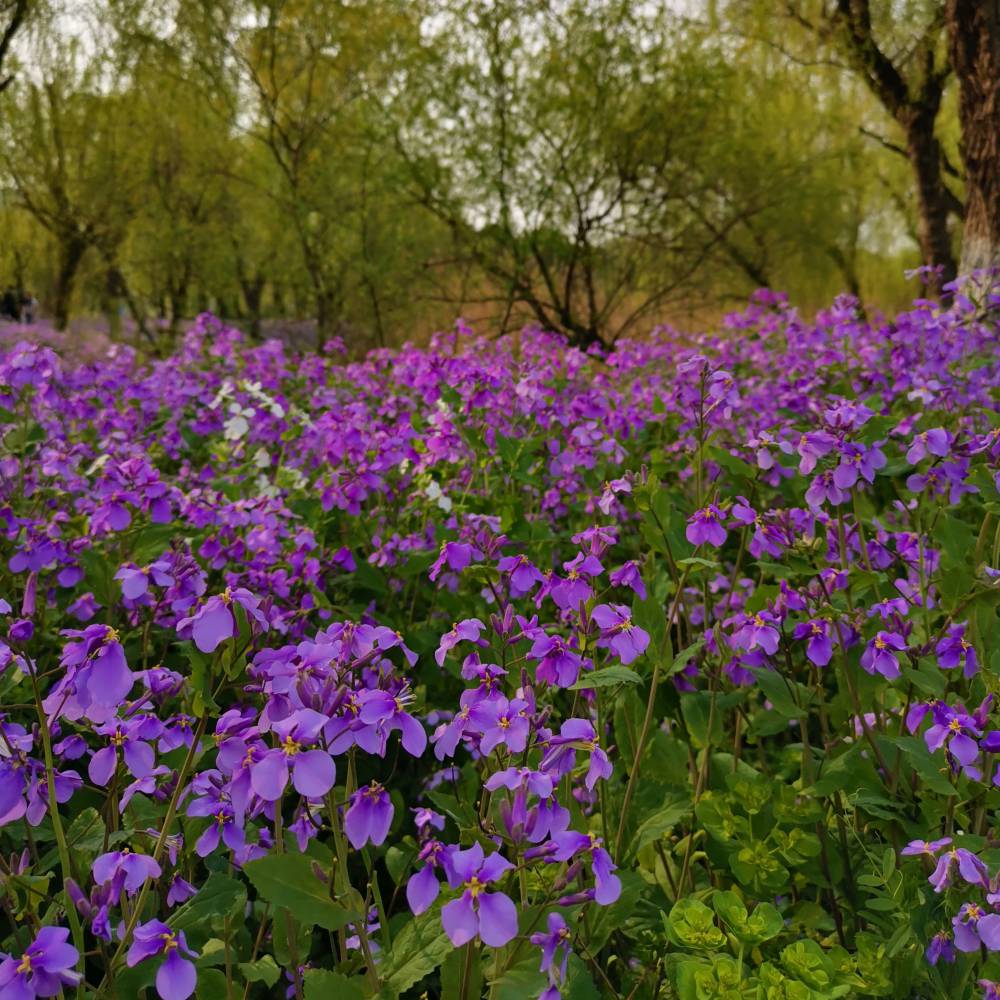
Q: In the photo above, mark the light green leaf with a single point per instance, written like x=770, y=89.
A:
x=289, y=880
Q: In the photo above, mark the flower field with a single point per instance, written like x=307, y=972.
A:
x=500, y=669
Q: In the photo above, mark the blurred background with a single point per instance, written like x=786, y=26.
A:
x=373, y=169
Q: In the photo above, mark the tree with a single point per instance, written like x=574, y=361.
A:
x=66, y=149
x=573, y=149
x=13, y=15
x=974, y=36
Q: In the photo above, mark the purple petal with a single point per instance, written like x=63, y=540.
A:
x=176, y=978
x=422, y=889
x=213, y=626
x=270, y=775
x=102, y=765
x=497, y=919
x=459, y=920
x=313, y=773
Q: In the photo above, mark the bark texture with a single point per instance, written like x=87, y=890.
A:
x=974, y=43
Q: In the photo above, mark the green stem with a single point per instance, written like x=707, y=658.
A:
x=644, y=732
x=158, y=849
x=57, y=827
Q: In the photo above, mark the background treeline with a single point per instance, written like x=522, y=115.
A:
x=373, y=168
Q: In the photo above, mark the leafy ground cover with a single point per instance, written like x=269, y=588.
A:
x=501, y=669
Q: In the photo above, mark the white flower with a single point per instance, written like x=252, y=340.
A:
x=261, y=458
x=434, y=493
x=238, y=424
x=265, y=487
x=225, y=391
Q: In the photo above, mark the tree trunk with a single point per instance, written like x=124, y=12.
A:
x=253, y=294
x=325, y=316
x=974, y=43
x=71, y=251
x=933, y=201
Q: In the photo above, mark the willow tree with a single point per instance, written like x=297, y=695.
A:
x=974, y=34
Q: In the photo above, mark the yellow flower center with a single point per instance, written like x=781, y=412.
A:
x=758, y=621
x=25, y=965
x=954, y=725
x=880, y=643
x=169, y=942
x=475, y=886
x=290, y=746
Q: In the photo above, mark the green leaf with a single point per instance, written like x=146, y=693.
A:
x=782, y=692
x=289, y=880
x=218, y=897
x=691, y=925
x=606, y=677
x=417, y=950
x=686, y=654
x=211, y=984
x=321, y=984
x=522, y=980
x=662, y=822
x=454, y=977
x=697, y=562
x=265, y=970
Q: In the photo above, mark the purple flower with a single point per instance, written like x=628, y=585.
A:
x=819, y=649
x=423, y=887
x=823, y=488
x=524, y=576
x=519, y=822
x=628, y=575
x=967, y=864
x=490, y=915
x=558, y=665
x=224, y=825
x=758, y=631
x=97, y=672
x=925, y=848
x=857, y=461
x=312, y=770
x=180, y=890
x=940, y=949
x=607, y=886
x=608, y=494
x=558, y=939
x=973, y=926
x=387, y=711
x=956, y=730
x=955, y=649
x=135, y=580
x=935, y=441
x=577, y=734
x=125, y=870
x=127, y=739
x=214, y=622
x=467, y=630
x=43, y=970
x=456, y=556
x=625, y=640
x=176, y=978
x=880, y=654
x=503, y=723
x=574, y=590
x=705, y=527
x=369, y=816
